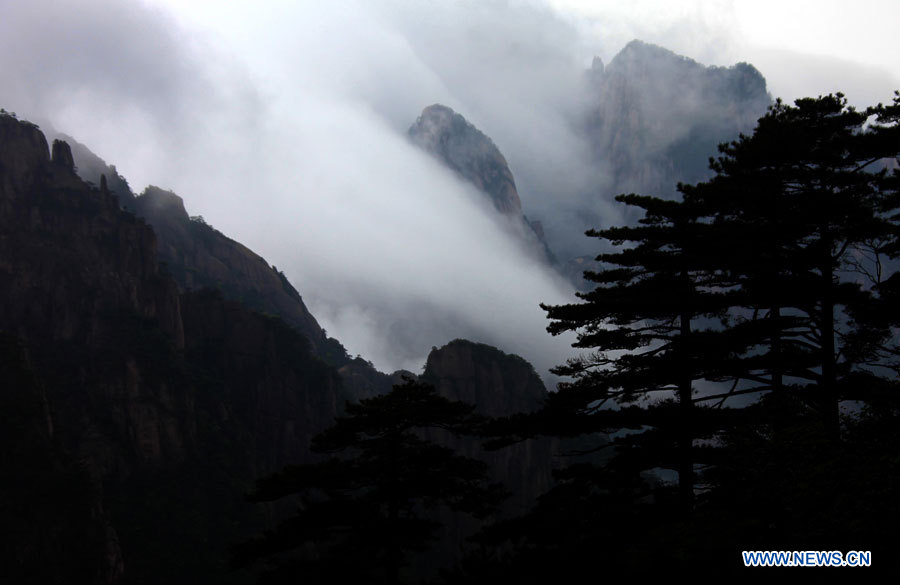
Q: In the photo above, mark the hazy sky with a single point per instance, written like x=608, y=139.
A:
x=283, y=124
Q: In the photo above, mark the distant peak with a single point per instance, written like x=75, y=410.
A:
x=466, y=150
x=438, y=119
x=438, y=110
x=638, y=51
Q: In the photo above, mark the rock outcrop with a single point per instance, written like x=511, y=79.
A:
x=61, y=155
x=93, y=169
x=472, y=155
x=497, y=383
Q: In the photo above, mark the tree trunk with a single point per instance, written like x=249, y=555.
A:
x=830, y=409
x=685, y=435
x=780, y=400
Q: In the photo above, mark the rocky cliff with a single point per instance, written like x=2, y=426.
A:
x=474, y=157
x=54, y=528
x=498, y=384
x=657, y=117
x=152, y=410
x=198, y=256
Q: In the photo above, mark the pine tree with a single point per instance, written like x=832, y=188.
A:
x=361, y=514
x=650, y=323
x=800, y=209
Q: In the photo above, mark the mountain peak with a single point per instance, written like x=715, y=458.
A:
x=469, y=152
x=162, y=201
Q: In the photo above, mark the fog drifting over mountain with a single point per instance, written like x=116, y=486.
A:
x=284, y=125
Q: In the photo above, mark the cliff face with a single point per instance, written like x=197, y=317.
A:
x=154, y=409
x=198, y=256
x=658, y=116
x=54, y=527
x=498, y=384
x=474, y=157
x=92, y=168
x=68, y=255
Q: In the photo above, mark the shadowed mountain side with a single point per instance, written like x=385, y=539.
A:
x=91, y=167
x=199, y=256
x=49, y=505
x=171, y=404
x=498, y=384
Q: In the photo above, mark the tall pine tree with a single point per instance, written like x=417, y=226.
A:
x=364, y=510
x=801, y=212
x=649, y=322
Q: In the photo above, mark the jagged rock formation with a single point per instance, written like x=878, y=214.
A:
x=654, y=120
x=152, y=410
x=199, y=256
x=474, y=157
x=92, y=169
x=61, y=155
x=55, y=227
x=658, y=116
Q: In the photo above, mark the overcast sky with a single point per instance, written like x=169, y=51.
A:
x=283, y=124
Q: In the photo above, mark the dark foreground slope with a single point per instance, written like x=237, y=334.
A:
x=140, y=411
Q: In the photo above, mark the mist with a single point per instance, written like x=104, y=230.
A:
x=285, y=127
